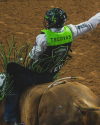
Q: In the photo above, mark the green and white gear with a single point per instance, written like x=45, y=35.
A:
x=55, y=55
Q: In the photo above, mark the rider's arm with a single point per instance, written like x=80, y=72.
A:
x=85, y=27
x=38, y=49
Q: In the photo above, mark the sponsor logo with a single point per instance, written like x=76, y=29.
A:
x=81, y=26
x=57, y=68
x=60, y=38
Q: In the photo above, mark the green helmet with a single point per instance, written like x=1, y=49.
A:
x=54, y=18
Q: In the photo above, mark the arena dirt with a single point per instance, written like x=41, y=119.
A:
x=23, y=19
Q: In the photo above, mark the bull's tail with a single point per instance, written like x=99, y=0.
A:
x=83, y=107
x=88, y=114
x=86, y=108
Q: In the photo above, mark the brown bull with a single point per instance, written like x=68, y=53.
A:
x=65, y=104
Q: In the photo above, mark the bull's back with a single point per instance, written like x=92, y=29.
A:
x=60, y=105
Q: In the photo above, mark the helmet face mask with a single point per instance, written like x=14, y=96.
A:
x=48, y=24
x=54, y=18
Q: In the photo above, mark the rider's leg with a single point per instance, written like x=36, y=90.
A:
x=22, y=81
x=14, y=68
x=40, y=78
x=11, y=112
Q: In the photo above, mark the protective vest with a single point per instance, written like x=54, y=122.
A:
x=58, y=45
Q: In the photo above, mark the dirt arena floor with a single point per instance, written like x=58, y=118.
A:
x=23, y=19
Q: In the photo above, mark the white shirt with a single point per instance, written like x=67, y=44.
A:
x=77, y=30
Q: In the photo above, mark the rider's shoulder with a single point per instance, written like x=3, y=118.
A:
x=42, y=33
x=41, y=37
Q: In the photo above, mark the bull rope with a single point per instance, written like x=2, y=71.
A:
x=58, y=83
x=81, y=107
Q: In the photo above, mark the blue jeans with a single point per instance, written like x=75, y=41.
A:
x=11, y=111
x=22, y=81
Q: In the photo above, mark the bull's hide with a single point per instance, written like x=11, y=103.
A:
x=64, y=104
